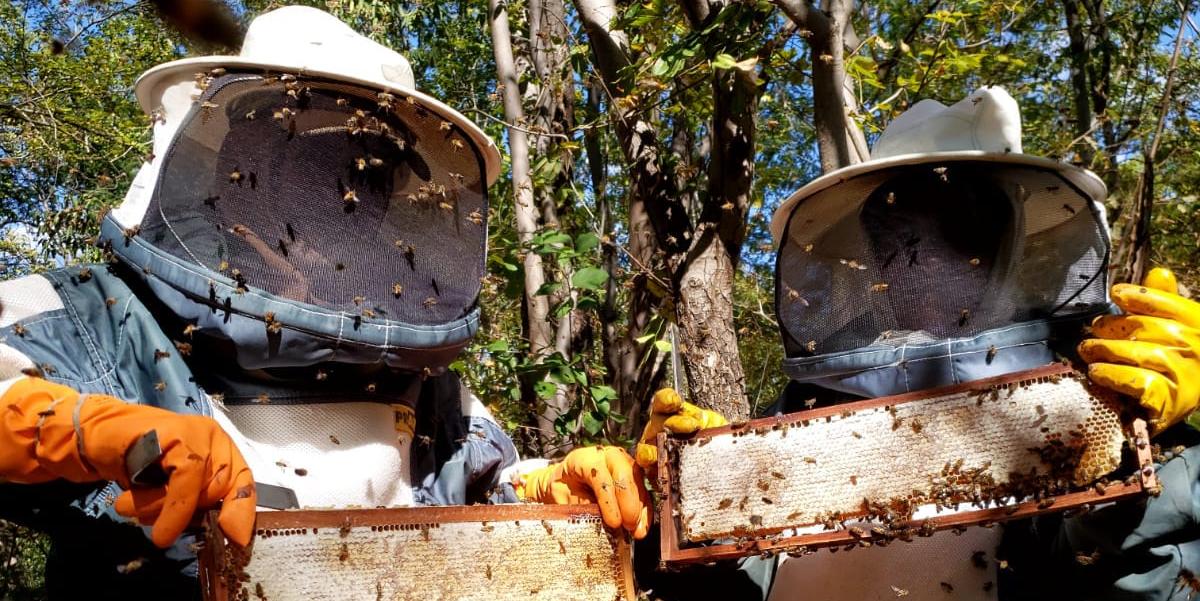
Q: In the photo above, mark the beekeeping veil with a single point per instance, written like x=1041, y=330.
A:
x=947, y=257
x=306, y=202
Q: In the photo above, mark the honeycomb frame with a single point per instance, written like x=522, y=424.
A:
x=478, y=552
x=799, y=502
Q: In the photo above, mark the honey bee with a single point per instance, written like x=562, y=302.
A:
x=160, y=354
x=429, y=302
x=370, y=387
x=880, y=287
x=854, y=480
x=358, y=300
x=397, y=290
x=334, y=439
x=808, y=247
x=342, y=102
x=360, y=163
x=110, y=301
x=235, y=176
x=160, y=386
x=189, y=329
x=250, y=115
x=184, y=348
x=273, y=326
x=368, y=313
x=446, y=206
x=963, y=315
x=131, y=566
x=891, y=198
x=321, y=375
x=262, y=398
x=811, y=346
x=350, y=197
x=974, y=262
x=1085, y=559
x=763, y=485
x=725, y=503
x=899, y=591
x=941, y=172
x=991, y=353
x=475, y=217
x=457, y=144
x=131, y=232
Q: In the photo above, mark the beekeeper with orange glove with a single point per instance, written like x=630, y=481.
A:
x=289, y=277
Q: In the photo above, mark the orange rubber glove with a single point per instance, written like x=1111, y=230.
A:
x=671, y=413
x=603, y=475
x=50, y=431
x=1152, y=352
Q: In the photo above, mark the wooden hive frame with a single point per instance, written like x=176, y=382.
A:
x=807, y=536
x=223, y=566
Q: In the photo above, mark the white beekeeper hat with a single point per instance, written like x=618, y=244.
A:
x=313, y=43
x=983, y=127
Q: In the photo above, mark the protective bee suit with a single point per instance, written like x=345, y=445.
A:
x=290, y=275
x=951, y=257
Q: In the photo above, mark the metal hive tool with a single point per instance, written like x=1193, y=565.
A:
x=485, y=552
x=874, y=471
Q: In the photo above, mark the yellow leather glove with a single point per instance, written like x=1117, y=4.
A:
x=1152, y=352
x=49, y=432
x=671, y=413
x=606, y=476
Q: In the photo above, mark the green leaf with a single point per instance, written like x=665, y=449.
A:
x=547, y=288
x=545, y=389
x=498, y=346
x=586, y=241
x=589, y=278
x=1193, y=420
x=603, y=393
x=723, y=61
x=663, y=346
x=591, y=425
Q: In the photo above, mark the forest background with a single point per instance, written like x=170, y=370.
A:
x=646, y=146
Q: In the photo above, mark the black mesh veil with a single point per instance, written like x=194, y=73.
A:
x=326, y=194
x=914, y=254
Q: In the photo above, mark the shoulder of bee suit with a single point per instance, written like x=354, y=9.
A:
x=459, y=449
x=85, y=327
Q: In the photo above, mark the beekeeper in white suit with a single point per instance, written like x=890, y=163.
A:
x=291, y=273
x=951, y=256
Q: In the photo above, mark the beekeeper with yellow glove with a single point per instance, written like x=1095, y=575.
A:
x=951, y=256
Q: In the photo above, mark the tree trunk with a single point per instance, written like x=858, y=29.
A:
x=1081, y=98
x=839, y=139
x=536, y=306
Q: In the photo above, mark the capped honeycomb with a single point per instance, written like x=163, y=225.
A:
x=546, y=557
x=969, y=447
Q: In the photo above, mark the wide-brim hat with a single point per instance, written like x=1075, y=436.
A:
x=984, y=127
x=306, y=41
